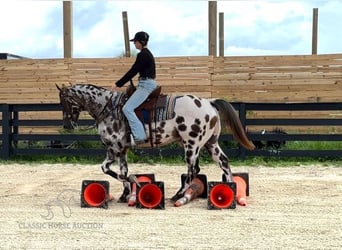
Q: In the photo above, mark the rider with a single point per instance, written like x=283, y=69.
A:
x=145, y=66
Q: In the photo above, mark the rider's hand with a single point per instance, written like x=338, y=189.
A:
x=115, y=88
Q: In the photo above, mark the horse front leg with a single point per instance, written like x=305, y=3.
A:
x=124, y=173
x=122, y=177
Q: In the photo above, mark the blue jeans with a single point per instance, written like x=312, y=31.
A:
x=144, y=89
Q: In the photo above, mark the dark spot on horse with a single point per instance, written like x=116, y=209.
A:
x=192, y=142
x=158, y=139
x=224, y=159
x=188, y=153
x=160, y=130
x=197, y=149
x=162, y=124
x=175, y=134
x=217, y=150
x=109, y=130
x=206, y=118
x=120, y=145
x=213, y=122
x=180, y=119
x=108, y=143
x=198, y=121
x=191, y=96
x=198, y=103
x=116, y=127
x=193, y=134
x=182, y=127
x=195, y=128
x=111, y=151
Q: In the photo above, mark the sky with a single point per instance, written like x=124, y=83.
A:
x=34, y=29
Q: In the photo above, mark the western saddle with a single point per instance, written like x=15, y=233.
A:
x=146, y=111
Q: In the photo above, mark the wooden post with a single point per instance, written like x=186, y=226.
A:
x=212, y=8
x=126, y=34
x=314, y=31
x=221, y=34
x=67, y=28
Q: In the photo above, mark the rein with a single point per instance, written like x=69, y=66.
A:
x=109, y=101
x=104, y=108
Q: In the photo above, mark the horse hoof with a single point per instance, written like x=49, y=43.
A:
x=180, y=202
x=109, y=197
x=132, y=201
x=176, y=197
x=122, y=200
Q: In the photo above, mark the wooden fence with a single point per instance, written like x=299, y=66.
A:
x=284, y=79
x=263, y=79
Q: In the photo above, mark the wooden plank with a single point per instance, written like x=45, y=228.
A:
x=269, y=97
x=279, y=78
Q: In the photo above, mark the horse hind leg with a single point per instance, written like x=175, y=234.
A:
x=219, y=157
x=192, y=160
x=187, y=182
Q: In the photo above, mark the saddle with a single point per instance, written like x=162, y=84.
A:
x=146, y=112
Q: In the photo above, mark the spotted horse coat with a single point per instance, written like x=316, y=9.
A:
x=196, y=124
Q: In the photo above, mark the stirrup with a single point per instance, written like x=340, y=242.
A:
x=136, y=142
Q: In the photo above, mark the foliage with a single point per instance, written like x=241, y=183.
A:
x=139, y=156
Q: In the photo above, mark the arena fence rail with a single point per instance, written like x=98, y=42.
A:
x=44, y=137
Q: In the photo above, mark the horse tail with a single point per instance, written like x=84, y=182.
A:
x=230, y=118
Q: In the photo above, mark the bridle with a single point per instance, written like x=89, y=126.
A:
x=100, y=119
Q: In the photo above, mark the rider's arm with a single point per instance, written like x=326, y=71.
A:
x=131, y=73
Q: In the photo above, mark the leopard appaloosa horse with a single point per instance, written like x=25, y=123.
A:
x=192, y=121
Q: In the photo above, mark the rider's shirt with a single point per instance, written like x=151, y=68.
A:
x=144, y=65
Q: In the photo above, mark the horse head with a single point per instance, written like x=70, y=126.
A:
x=71, y=107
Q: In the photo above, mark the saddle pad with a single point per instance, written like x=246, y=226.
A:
x=161, y=113
x=166, y=111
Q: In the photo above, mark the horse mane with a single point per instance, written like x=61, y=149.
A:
x=90, y=85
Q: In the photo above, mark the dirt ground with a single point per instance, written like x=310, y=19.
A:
x=288, y=208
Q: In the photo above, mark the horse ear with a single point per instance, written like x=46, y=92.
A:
x=58, y=87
